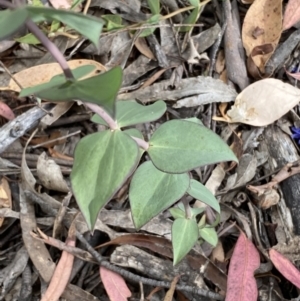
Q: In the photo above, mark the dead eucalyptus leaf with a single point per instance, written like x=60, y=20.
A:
x=50, y=174
x=5, y=197
x=291, y=14
x=263, y=102
x=43, y=73
x=262, y=26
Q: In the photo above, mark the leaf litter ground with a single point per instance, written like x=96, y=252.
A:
x=249, y=98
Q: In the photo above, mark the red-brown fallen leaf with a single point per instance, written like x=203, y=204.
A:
x=241, y=284
x=114, y=285
x=62, y=272
x=170, y=292
x=294, y=75
x=291, y=14
x=6, y=111
x=285, y=267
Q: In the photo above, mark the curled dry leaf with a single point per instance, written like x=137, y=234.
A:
x=262, y=26
x=291, y=14
x=5, y=197
x=241, y=284
x=43, y=73
x=263, y=102
x=50, y=174
x=285, y=267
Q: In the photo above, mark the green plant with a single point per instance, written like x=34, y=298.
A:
x=105, y=160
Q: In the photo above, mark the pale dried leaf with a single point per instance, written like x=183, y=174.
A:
x=43, y=73
x=246, y=169
x=141, y=45
x=170, y=293
x=50, y=174
x=215, y=179
x=61, y=4
x=5, y=197
x=262, y=26
x=60, y=109
x=263, y=102
x=291, y=14
x=114, y=285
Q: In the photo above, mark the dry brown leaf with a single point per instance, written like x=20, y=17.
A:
x=262, y=103
x=291, y=14
x=262, y=26
x=50, y=174
x=5, y=197
x=141, y=45
x=43, y=73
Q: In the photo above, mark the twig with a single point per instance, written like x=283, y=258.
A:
x=138, y=279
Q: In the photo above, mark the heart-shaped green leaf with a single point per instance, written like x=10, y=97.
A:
x=134, y=133
x=131, y=113
x=86, y=25
x=112, y=22
x=11, y=21
x=201, y=193
x=103, y=162
x=191, y=19
x=154, y=6
x=101, y=89
x=185, y=234
x=179, y=145
x=209, y=234
x=152, y=191
x=57, y=80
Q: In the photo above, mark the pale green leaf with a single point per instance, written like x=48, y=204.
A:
x=112, y=22
x=209, y=235
x=101, y=89
x=11, y=21
x=194, y=119
x=154, y=6
x=131, y=113
x=134, y=133
x=196, y=211
x=88, y=26
x=103, y=162
x=152, y=191
x=28, y=39
x=185, y=234
x=147, y=31
x=194, y=2
x=190, y=19
x=177, y=213
x=201, y=193
x=178, y=146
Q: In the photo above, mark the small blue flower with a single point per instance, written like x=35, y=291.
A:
x=296, y=134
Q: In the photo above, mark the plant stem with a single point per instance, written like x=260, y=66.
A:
x=51, y=47
x=7, y=4
x=141, y=143
x=113, y=125
x=98, y=110
x=187, y=208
